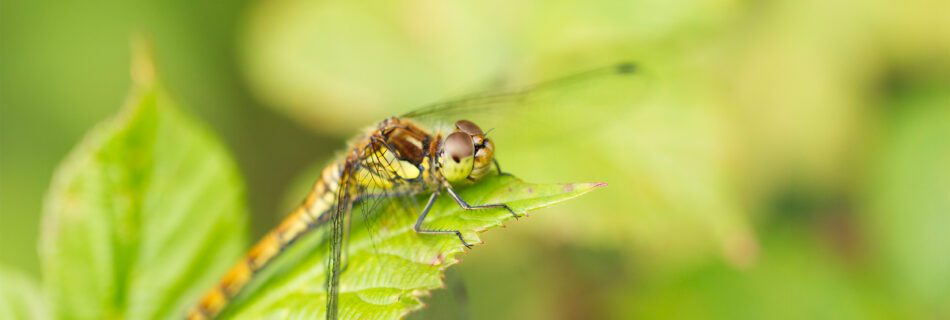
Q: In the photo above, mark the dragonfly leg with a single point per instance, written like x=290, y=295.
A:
x=418, y=227
x=458, y=199
x=498, y=167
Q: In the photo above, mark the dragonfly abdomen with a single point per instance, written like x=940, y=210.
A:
x=312, y=212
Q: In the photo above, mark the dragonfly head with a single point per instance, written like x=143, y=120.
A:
x=466, y=153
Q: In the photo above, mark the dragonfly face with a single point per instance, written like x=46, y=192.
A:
x=466, y=153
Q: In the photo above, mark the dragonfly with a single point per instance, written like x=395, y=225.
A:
x=413, y=154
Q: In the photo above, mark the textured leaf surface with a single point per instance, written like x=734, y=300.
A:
x=390, y=265
x=144, y=214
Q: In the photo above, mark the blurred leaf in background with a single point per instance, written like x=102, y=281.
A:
x=65, y=68
x=144, y=215
x=21, y=297
x=908, y=200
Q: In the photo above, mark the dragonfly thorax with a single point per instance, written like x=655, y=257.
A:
x=466, y=154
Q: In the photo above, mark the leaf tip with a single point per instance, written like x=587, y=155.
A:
x=143, y=61
x=583, y=187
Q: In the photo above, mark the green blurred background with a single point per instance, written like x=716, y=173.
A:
x=787, y=159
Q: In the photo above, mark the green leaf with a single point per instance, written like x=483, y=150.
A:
x=143, y=216
x=908, y=203
x=20, y=297
x=389, y=265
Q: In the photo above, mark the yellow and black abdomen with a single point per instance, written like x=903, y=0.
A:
x=315, y=210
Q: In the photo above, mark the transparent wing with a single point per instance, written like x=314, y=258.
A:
x=386, y=204
x=593, y=91
x=382, y=205
x=378, y=204
x=337, y=230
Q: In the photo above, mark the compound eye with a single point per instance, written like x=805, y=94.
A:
x=468, y=127
x=459, y=146
x=458, y=156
